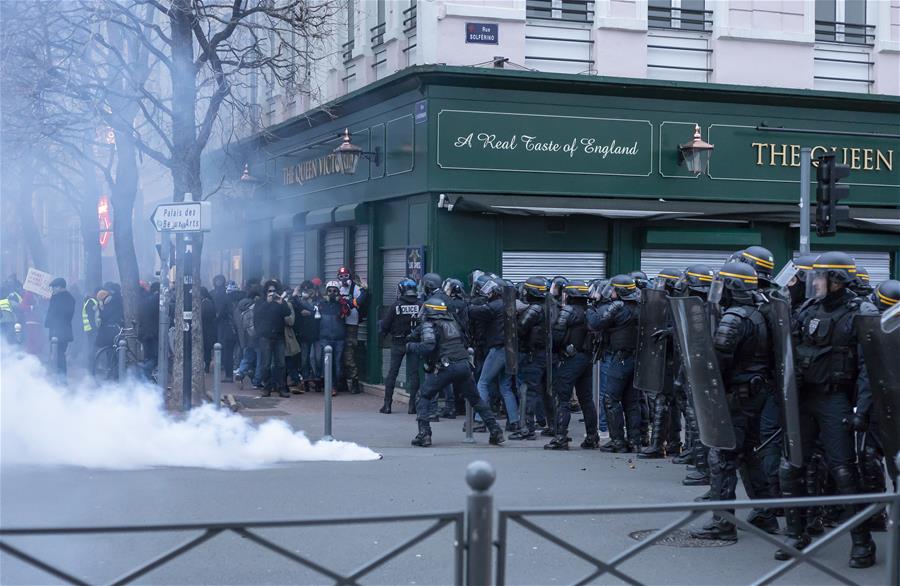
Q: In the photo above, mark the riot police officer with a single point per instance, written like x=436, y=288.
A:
x=743, y=347
x=762, y=261
x=861, y=285
x=440, y=344
x=640, y=279
x=617, y=324
x=694, y=282
x=870, y=443
x=830, y=371
x=532, y=336
x=399, y=323
x=665, y=433
x=573, y=346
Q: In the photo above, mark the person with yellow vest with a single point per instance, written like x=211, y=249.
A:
x=90, y=323
x=9, y=314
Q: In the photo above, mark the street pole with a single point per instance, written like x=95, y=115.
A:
x=480, y=477
x=217, y=374
x=804, y=199
x=329, y=382
x=187, y=367
x=162, y=352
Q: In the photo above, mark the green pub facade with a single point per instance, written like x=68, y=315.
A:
x=527, y=173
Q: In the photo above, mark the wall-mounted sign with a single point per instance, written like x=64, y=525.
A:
x=482, y=32
x=415, y=262
x=745, y=153
x=421, y=111
x=537, y=143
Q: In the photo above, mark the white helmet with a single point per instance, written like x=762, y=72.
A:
x=331, y=284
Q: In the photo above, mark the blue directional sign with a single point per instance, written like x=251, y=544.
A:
x=483, y=32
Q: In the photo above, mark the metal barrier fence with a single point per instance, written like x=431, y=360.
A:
x=473, y=545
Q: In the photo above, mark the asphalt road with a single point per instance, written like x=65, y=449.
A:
x=406, y=480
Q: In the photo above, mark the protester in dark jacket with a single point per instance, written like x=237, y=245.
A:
x=59, y=321
x=208, y=316
x=243, y=317
x=148, y=328
x=268, y=321
x=226, y=333
x=306, y=326
x=112, y=315
x=332, y=329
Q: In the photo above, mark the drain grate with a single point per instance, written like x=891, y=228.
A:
x=679, y=538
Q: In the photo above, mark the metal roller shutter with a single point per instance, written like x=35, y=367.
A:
x=654, y=260
x=394, y=267
x=361, y=268
x=877, y=263
x=518, y=266
x=334, y=253
x=296, y=258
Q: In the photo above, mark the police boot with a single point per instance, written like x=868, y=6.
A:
x=560, y=442
x=795, y=528
x=686, y=457
x=655, y=449
x=717, y=529
x=862, y=554
x=764, y=519
x=496, y=438
x=614, y=447
x=423, y=439
x=591, y=441
x=386, y=409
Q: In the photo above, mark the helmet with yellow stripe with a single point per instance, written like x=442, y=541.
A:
x=695, y=279
x=861, y=285
x=535, y=288
x=435, y=308
x=738, y=276
x=625, y=288
x=762, y=261
x=576, y=290
x=887, y=294
x=838, y=267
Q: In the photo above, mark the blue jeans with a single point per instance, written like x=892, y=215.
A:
x=493, y=375
x=258, y=371
x=273, y=354
x=310, y=361
x=337, y=359
x=248, y=361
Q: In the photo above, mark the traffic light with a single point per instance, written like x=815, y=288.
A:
x=829, y=193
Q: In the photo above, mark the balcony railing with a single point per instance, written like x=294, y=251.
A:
x=409, y=20
x=347, y=51
x=569, y=10
x=831, y=31
x=377, y=32
x=679, y=18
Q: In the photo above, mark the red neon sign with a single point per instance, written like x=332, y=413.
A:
x=105, y=220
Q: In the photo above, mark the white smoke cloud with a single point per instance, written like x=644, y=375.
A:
x=125, y=427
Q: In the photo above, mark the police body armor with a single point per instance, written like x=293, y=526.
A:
x=532, y=333
x=751, y=358
x=623, y=338
x=826, y=356
x=576, y=338
x=406, y=316
x=449, y=346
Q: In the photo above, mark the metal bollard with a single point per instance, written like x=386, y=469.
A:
x=327, y=391
x=470, y=424
x=217, y=374
x=121, y=351
x=480, y=477
x=54, y=349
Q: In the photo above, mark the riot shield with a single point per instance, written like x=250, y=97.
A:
x=778, y=317
x=694, y=342
x=510, y=332
x=880, y=351
x=650, y=360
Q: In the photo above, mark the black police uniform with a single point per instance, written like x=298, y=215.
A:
x=532, y=336
x=446, y=363
x=743, y=346
x=573, y=347
x=617, y=323
x=830, y=370
x=399, y=323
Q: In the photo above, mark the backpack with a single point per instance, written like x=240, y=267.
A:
x=247, y=322
x=362, y=304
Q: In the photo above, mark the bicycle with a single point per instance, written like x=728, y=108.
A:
x=106, y=360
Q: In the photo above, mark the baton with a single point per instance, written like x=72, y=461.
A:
x=768, y=441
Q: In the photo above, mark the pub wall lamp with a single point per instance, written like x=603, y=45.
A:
x=351, y=153
x=695, y=154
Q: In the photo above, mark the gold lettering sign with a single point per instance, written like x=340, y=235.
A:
x=304, y=171
x=788, y=155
